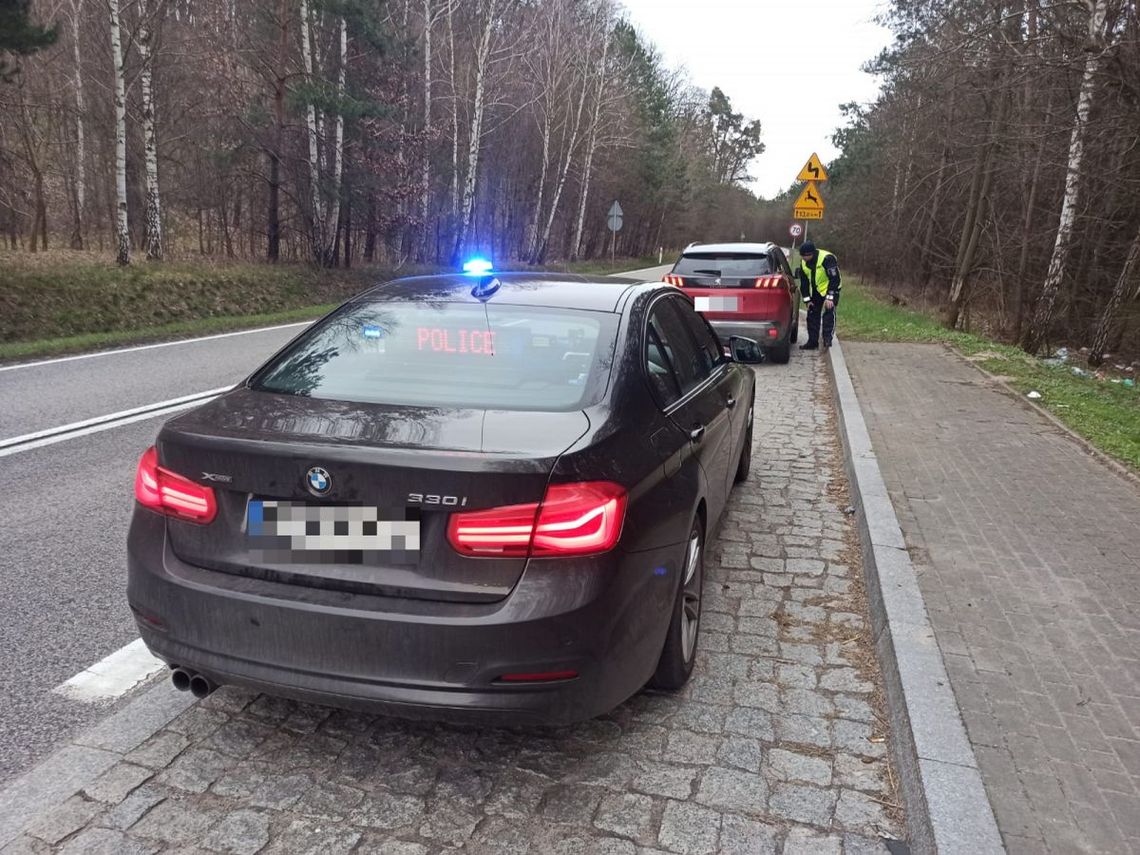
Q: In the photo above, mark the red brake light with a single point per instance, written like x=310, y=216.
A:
x=169, y=493
x=767, y=282
x=573, y=519
x=673, y=279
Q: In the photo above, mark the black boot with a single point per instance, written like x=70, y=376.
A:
x=811, y=345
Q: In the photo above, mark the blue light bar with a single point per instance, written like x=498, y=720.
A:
x=477, y=266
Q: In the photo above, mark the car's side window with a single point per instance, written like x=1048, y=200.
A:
x=707, y=342
x=659, y=367
x=689, y=364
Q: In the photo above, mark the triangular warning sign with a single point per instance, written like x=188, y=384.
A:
x=813, y=170
x=809, y=200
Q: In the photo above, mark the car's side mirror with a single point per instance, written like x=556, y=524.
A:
x=745, y=350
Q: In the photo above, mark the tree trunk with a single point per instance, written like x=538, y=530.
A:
x=975, y=221
x=564, y=170
x=971, y=232
x=153, y=216
x=425, y=155
x=273, y=216
x=470, y=185
x=454, y=188
x=370, y=231
x=1115, y=300
x=329, y=254
x=1039, y=327
x=122, y=234
x=80, y=184
x=592, y=141
x=531, y=245
x=1026, y=234
x=317, y=209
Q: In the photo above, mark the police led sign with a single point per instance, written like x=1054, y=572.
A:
x=442, y=340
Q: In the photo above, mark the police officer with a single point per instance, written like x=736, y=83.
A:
x=819, y=286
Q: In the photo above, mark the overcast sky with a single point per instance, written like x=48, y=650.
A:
x=788, y=63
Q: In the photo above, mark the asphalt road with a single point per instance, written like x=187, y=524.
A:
x=66, y=507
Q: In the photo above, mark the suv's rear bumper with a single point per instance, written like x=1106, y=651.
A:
x=604, y=617
x=760, y=331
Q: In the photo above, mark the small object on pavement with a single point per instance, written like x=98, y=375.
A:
x=1034, y=395
x=849, y=510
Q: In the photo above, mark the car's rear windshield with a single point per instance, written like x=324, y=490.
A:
x=723, y=264
x=490, y=356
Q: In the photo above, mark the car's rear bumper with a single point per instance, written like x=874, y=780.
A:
x=764, y=333
x=604, y=618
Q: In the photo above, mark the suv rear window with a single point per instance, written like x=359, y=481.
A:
x=727, y=265
x=490, y=356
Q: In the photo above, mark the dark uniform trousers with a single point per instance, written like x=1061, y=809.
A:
x=816, y=313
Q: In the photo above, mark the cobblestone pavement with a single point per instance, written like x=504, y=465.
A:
x=1029, y=561
x=773, y=747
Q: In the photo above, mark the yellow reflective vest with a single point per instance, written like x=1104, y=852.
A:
x=817, y=276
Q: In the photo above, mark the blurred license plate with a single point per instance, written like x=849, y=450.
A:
x=715, y=304
x=330, y=528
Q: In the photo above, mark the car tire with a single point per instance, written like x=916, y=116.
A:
x=781, y=353
x=744, y=465
x=680, y=651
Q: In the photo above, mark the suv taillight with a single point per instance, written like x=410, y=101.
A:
x=768, y=282
x=169, y=493
x=674, y=279
x=573, y=519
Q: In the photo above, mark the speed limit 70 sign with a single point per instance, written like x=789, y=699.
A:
x=796, y=230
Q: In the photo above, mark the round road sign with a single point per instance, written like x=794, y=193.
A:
x=796, y=230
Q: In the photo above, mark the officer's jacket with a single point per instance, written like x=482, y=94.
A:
x=823, y=275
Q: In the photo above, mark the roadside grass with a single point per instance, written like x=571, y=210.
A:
x=166, y=332
x=1107, y=414
x=64, y=302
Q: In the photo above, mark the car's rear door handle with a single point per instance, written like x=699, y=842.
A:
x=697, y=433
x=731, y=402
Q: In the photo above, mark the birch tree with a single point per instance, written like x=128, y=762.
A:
x=488, y=18
x=122, y=232
x=1094, y=52
x=153, y=213
x=1129, y=274
x=600, y=82
x=80, y=181
x=317, y=236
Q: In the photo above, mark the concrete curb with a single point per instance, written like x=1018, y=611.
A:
x=947, y=810
x=86, y=756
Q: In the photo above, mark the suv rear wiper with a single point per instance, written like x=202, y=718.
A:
x=713, y=272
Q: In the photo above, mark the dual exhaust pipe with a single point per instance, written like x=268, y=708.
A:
x=185, y=680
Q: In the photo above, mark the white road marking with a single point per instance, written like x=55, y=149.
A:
x=139, y=347
x=113, y=676
x=50, y=436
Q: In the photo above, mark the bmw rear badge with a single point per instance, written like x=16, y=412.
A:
x=318, y=480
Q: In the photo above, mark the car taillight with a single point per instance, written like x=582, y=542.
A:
x=767, y=282
x=169, y=493
x=573, y=519
x=673, y=279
